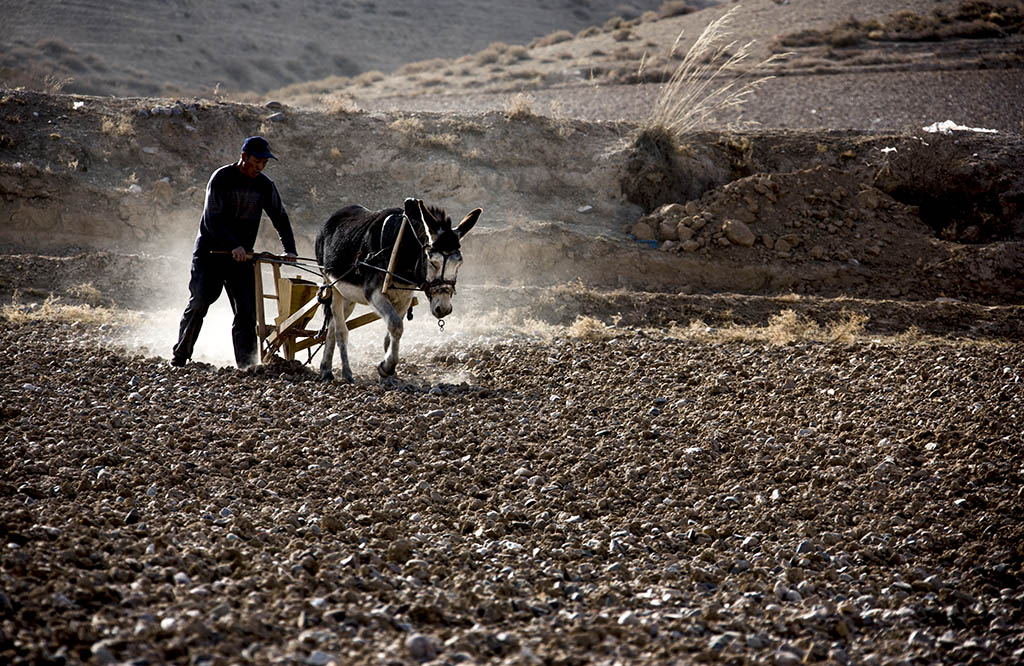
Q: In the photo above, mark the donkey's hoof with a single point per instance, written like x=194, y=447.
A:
x=384, y=372
x=393, y=381
x=327, y=376
x=347, y=377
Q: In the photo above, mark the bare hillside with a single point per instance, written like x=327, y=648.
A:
x=188, y=47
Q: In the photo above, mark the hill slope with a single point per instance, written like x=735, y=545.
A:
x=150, y=47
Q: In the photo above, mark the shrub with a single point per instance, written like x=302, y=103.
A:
x=675, y=8
x=422, y=66
x=515, y=54
x=368, y=78
x=554, y=38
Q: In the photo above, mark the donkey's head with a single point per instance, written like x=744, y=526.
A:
x=443, y=255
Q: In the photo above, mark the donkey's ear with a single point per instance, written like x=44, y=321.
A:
x=468, y=222
x=433, y=226
x=412, y=208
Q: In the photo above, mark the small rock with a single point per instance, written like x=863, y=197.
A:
x=643, y=232
x=720, y=642
x=785, y=593
x=789, y=656
x=672, y=210
x=277, y=117
x=318, y=658
x=920, y=638
x=628, y=619
x=668, y=230
x=400, y=550
x=421, y=648
x=738, y=233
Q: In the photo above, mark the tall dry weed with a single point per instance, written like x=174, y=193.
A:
x=713, y=77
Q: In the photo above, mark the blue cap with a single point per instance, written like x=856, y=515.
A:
x=257, y=146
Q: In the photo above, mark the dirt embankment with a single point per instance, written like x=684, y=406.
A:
x=844, y=213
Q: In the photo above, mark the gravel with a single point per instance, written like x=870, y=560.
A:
x=851, y=502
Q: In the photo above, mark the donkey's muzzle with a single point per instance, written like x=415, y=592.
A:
x=442, y=307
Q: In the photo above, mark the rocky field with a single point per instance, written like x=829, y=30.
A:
x=751, y=394
x=756, y=494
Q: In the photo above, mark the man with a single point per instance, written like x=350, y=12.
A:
x=236, y=197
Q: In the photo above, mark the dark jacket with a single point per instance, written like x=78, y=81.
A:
x=234, y=205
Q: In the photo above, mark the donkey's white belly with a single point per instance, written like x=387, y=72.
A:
x=350, y=292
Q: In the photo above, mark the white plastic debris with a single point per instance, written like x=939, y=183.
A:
x=948, y=127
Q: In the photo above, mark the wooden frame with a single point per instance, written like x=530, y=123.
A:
x=297, y=302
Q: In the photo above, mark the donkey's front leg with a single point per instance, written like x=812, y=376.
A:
x=337, y=333
x=393, y=320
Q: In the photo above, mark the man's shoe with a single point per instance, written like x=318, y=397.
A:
x=177, y=362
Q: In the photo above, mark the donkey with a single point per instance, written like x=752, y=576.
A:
x=354, y=248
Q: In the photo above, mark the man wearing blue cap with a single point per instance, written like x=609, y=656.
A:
x=236, y=197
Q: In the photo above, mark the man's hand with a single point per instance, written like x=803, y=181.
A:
x=239, y=254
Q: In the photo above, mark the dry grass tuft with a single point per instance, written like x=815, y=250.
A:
x=414, y=132
x=53, y=310
x=784, y=328
x=86, y=293
x=120, y=126
x=339, y=103
x=712, y=77
x=847, y=330
x=589, y=328
x=519, y=107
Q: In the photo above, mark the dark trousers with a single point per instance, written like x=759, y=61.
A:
x=210, y=274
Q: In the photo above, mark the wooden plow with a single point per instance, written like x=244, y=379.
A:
x=297, y=302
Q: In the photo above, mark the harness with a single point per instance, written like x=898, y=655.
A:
x=430, y=287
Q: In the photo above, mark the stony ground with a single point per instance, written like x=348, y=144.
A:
x=598, y=495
